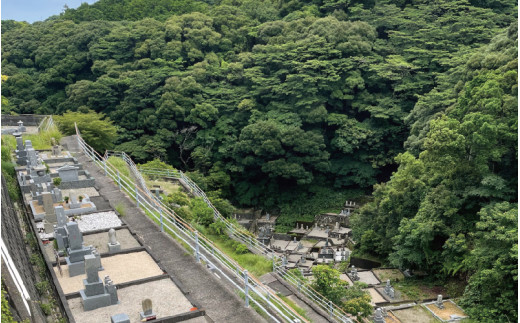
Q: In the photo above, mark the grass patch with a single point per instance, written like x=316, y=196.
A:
x=167, y=186
x=255, y=264
x=295, y=307
x=120, y=165
x=120, y=208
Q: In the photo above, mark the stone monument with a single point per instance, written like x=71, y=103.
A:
x=76, y=250
x=113, y=244
x=389, y=290
x=68, y=173
x=95, y=294
x=60, y=233
x=354, y=274
x=21, y=127
x=378, y=316
x=439, y=302
x=147, y=312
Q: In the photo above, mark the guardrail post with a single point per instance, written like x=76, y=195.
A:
x=160, y=214
x=197, y=255
x=246, y=287
x=250, y=242
x=118, y=180
x=105, y=166
x=136, y=195
x=330, y=309
x=274, y=261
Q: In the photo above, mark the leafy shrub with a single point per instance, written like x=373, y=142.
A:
x=56, y=181
x=42, y=287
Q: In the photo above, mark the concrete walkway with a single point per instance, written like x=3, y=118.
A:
x=217, y=297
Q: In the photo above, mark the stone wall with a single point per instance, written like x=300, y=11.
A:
x=13, y=237
x=29, y=120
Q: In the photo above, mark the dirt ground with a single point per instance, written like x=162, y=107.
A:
x=376, y=297
x=392, y=274
x=100, y=240
x=368, y=277
x=167, y=186
x=416, y=314
x=120, y=268
x=449, y=309
x=167, y=300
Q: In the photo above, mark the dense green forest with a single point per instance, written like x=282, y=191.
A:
x=296, y=105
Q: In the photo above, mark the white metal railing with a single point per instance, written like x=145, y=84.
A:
x=335, y=312
x=262, y=296
x=46, y=124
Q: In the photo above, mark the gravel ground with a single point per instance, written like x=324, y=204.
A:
x=98, y=221
x=167, y=300
x=100, y=240
x=368, y=277
x=121, y=268
x=90, y=191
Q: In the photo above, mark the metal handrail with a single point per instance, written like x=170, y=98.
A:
x=203, y=247
x=335, y=312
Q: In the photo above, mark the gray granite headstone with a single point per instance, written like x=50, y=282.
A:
x=48, y=206
x=21, y=127
x=32, y=157
x=61, y=218
x=75, y=236
x=68, y=173
x=57, y=195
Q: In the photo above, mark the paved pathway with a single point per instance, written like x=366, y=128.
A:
x=219, y=299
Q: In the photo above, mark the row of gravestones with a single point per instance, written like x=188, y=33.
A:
x=12, y=131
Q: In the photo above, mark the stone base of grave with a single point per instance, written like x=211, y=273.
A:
x=92, y=289
x=92, y=302
x=48, y=227
x=120, y=318
x=143, y=317
x=75, y=268
x=114, y=247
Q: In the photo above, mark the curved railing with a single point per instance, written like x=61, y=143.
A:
x=334, y=312
x=204, y=250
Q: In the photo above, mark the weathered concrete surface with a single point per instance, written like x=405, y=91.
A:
x=13, y=238
x=221, y=301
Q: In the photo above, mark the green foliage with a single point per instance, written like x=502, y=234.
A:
x=202, y=213
x=327, y=283
x=96, y=129
x=46, y=308
x=353, y=300
x=56, y=181
x=9, y=173
x=6, y=311
x=433, y=212
x=42, y=287
x=241, y=248
x=218, y=228
x=120, y=165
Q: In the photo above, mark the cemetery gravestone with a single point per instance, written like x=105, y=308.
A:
x=147, y=309
x=113, y=244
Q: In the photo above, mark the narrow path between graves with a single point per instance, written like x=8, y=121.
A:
x=221, y=302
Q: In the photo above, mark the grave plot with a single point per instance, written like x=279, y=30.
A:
x=449, y=311
x=167, y=300
x=394, y=275
x=121, y=268
x=100, y=242
x=415, y=314
x=375, y=296
x=368, y=277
